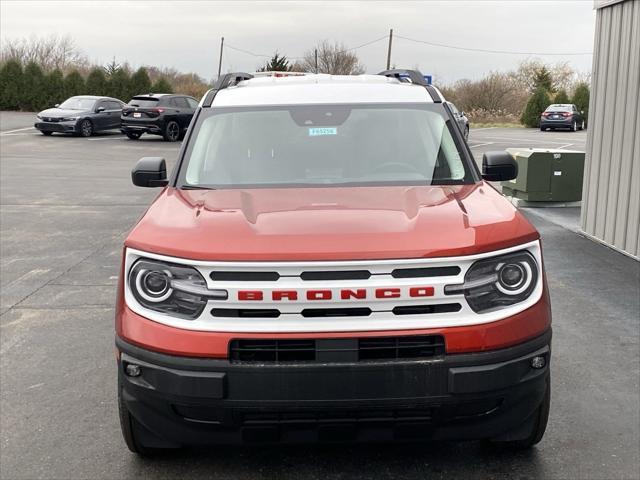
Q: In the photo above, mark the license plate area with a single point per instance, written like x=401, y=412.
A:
x=137, y=115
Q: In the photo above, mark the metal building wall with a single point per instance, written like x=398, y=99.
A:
x=611, y=190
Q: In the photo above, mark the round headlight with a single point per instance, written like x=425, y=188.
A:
x=514, y=278
x=498, y=282
x=154, y=285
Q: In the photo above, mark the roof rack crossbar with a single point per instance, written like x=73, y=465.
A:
x=223, y=82
x=416, y=78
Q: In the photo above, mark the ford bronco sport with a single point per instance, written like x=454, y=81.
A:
x=327, y=263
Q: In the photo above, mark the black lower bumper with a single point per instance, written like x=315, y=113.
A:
x=151, y=128
x=187, y=401
x=60, y=127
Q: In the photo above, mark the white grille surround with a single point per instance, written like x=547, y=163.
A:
x=291, y=319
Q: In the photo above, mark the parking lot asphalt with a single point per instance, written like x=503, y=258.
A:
x=66, y=205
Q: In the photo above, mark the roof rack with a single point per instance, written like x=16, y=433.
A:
x=415, y=77
x=274, y=73
x=223, y=82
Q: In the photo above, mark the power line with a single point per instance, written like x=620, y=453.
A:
x=247, y=51
x=253, y=54
x=508, y=52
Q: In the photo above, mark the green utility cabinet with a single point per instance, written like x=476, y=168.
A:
x=546, y=175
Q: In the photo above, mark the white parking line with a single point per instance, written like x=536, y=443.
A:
x=17, y=130
x=565, y=146
x=480, y=129
x=17, y=134
x=513, y=139
x=119, y=137
x=481, y=144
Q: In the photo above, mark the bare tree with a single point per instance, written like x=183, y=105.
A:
x=52, y=52
x=334, y=58
x=562, y=75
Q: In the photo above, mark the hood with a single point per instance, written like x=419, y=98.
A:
x=330, y=223
x=61, y=112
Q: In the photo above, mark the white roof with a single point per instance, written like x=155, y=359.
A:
x=320, y=89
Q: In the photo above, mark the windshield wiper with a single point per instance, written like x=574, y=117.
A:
x=195, y=187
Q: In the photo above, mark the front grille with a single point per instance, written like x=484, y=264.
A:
x=336, y=350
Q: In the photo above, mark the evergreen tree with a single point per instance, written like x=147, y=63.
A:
x=537, y=104
x=581, y=99
x=140, y=83
x=74, y=84
x=561, y=97
x=543, y=78
x=11, y=78
x=34, y=94
x=276, y=64
x=96, y=82
x=54, y=88
x=161, y=86
x=112, y=67
x=118, y=85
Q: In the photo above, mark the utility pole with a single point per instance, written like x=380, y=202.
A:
x=316, y=57
x=220, y=62
x=389, y=49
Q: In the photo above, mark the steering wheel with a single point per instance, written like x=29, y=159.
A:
x=394, y=166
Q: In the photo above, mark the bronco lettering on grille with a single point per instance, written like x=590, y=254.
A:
x=346, y=294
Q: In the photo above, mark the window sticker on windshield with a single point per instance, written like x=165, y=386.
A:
x=317, y=131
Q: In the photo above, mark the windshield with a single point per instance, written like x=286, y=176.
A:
x=323, y=145
x=78, y=103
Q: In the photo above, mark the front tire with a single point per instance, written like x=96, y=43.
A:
x=171, y=131
x=86, y=128
x=134, y=135
x=47, y=134
x=543, y=129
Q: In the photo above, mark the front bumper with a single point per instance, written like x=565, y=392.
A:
x=60, y=127
x=194, y=401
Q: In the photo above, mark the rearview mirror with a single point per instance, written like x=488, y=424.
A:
x=150, y=172
x=100, y=109
x=498, y=166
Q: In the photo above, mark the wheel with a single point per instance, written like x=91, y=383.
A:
x=131, y=430
x=171, y=131
x=47, y=134
x=582, y=125
x=543, y=129
x=86, y=128
x=574, y=126
x=539, y=425
x=466, y=132
x=134, y=135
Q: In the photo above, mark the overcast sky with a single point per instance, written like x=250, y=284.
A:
x=186, y=35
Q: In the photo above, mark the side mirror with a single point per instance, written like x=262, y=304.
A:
x=462, y=114
x=150, y=172
x=56, y=105
x=498, y=166
x=100, y=109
